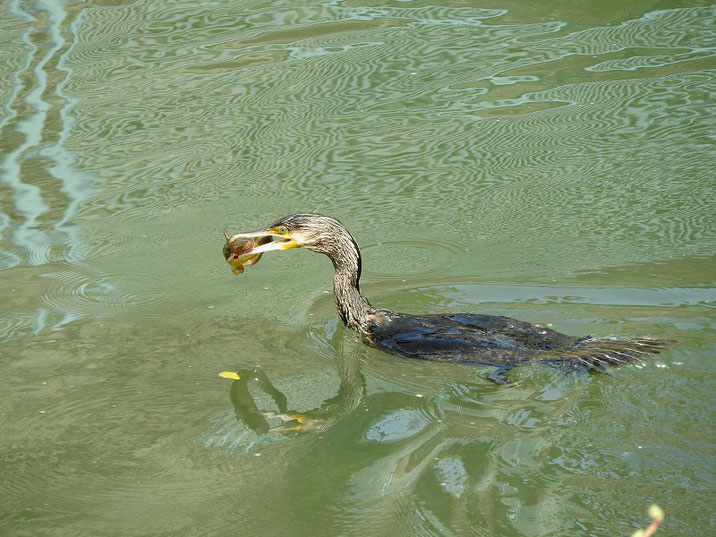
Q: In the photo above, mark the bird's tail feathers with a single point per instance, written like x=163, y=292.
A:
x=596, y=354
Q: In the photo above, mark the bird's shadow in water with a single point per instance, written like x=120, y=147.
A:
x=286, y=421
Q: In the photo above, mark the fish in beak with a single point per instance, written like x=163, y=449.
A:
x=245, y=249
x=238, y=252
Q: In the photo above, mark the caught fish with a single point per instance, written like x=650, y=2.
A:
x=237, y=252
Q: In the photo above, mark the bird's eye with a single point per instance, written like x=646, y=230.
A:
x=282, y=230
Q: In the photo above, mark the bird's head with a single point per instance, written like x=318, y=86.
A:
x=316, y=232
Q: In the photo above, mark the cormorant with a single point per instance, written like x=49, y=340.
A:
x=459, y=337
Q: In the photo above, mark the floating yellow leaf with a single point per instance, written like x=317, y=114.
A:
x=229, y=375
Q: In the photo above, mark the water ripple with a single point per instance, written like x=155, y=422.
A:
x=459, y=144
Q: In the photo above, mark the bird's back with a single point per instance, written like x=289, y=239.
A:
x=502, y=341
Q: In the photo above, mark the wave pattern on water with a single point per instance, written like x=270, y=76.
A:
x=132, y=131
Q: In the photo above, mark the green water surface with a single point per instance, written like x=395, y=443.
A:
x=551, y=161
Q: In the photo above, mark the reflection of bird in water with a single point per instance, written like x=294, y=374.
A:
x=471, y=338
x=350, y=393
x=247, y=410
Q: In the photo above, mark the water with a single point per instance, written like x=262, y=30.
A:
x=547, y=161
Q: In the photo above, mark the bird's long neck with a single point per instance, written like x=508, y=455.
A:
x=353, y=308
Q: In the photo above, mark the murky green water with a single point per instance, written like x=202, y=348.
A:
x=552, y=161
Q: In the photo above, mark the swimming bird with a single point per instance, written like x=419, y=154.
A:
x=493, y=340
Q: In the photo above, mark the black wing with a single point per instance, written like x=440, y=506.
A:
x=462, y=337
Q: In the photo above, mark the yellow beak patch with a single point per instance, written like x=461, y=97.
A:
x=290, y=244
